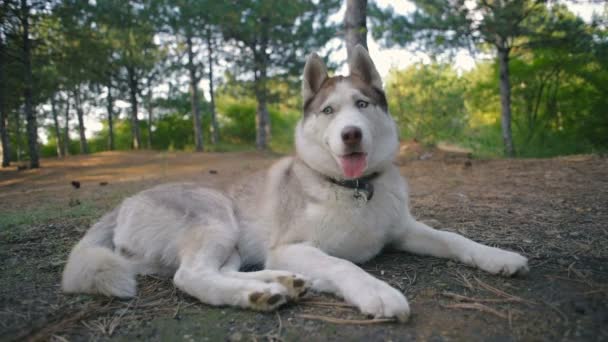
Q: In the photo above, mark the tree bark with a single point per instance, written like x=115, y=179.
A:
x=194, y=97
x=262, y=121
x=505, y=101
x=355, y=27
x=58, y=134
x=4, y=139
x=32, y=126
x=110, y=104
x=66, y=130
x=84, y=146
x=6, y=148
x=133, y=90
x=260, y=74
x=150, y=114
x=215, y=130
x=18, y=136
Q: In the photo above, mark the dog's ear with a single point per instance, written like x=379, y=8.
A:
x=315, y=73
x=361, y=65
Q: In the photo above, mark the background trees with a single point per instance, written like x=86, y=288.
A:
x=507, y=27
x=194, y=69
x=271, y=38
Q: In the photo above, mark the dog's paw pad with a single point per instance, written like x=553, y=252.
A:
x=266, y=301
x=296, y=286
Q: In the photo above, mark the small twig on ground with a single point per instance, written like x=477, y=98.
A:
x=462, y=298
x=116, y=320
x=575, y=271
x=279, y=330
x=177, y=309
x=348, y=321
x=49, y=330
x=501, y=293
x=476, y=306
x=465, y=281
x=322, y=303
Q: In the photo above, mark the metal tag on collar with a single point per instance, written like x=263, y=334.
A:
x=360, y=196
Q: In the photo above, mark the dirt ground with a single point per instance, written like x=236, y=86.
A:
x=555, y=211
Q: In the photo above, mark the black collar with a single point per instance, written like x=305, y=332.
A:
x=362, y=186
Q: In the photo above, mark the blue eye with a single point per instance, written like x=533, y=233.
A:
x=328, y=110
x=362, y=104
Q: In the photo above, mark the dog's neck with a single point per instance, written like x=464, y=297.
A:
x=363, y=186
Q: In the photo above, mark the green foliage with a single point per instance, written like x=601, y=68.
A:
x=238, y=123
x=556, y=111
x=427, y=102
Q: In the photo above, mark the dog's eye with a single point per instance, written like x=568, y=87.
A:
x=328, y=110
x=362, y=104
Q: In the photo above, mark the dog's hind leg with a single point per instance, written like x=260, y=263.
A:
x=200, y=273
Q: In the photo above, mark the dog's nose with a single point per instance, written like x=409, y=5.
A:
x=351, y=136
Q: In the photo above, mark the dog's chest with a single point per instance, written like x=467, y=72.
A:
x=350, y=228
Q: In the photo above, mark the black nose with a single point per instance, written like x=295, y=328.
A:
x=351, y=136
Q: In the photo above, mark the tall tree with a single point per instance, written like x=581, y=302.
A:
x=215, y=129
x=133, y=82
x=4, y=138
x=272, y=38
x=194, y=94
x=129, y=27
x=355, y=24
x=57, y=130
x=66, y=128
x=189, y=23
x=28, y=96
x=463, y=23
x=110, y=110
x=84, y=146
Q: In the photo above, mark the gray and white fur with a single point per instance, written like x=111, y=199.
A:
x=308, y=231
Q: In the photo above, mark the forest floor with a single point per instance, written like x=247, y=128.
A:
x=555, y=211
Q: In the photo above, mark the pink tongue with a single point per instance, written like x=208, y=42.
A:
x=353, y=165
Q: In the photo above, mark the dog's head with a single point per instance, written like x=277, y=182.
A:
x=346, y=131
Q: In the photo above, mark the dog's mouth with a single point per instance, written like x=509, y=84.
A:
x=353, y=164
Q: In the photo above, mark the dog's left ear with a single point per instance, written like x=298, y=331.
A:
x=315, y=73
x=361, y=65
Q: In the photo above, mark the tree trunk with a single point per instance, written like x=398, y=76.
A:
x=32, y=126
x=66, y=130
x=150, y=114
x=355, y=28
x=110, y=104
x=4, y=139
x=262, y=121
x=133, y=90
x=58, y=134
x=194, y=98
x=18, y=136
x=505, y=101
x=215, y=130
x=84, y=147
x=6, y=148
x=260, y=74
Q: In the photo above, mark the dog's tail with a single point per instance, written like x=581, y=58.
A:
x=93, y=266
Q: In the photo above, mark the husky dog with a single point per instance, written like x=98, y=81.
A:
x=309, y=218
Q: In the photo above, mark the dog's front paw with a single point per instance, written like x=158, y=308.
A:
x=297, y=286
x=380, y=300
x=499, y=261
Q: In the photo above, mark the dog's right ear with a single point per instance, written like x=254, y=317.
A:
x=315, y=73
